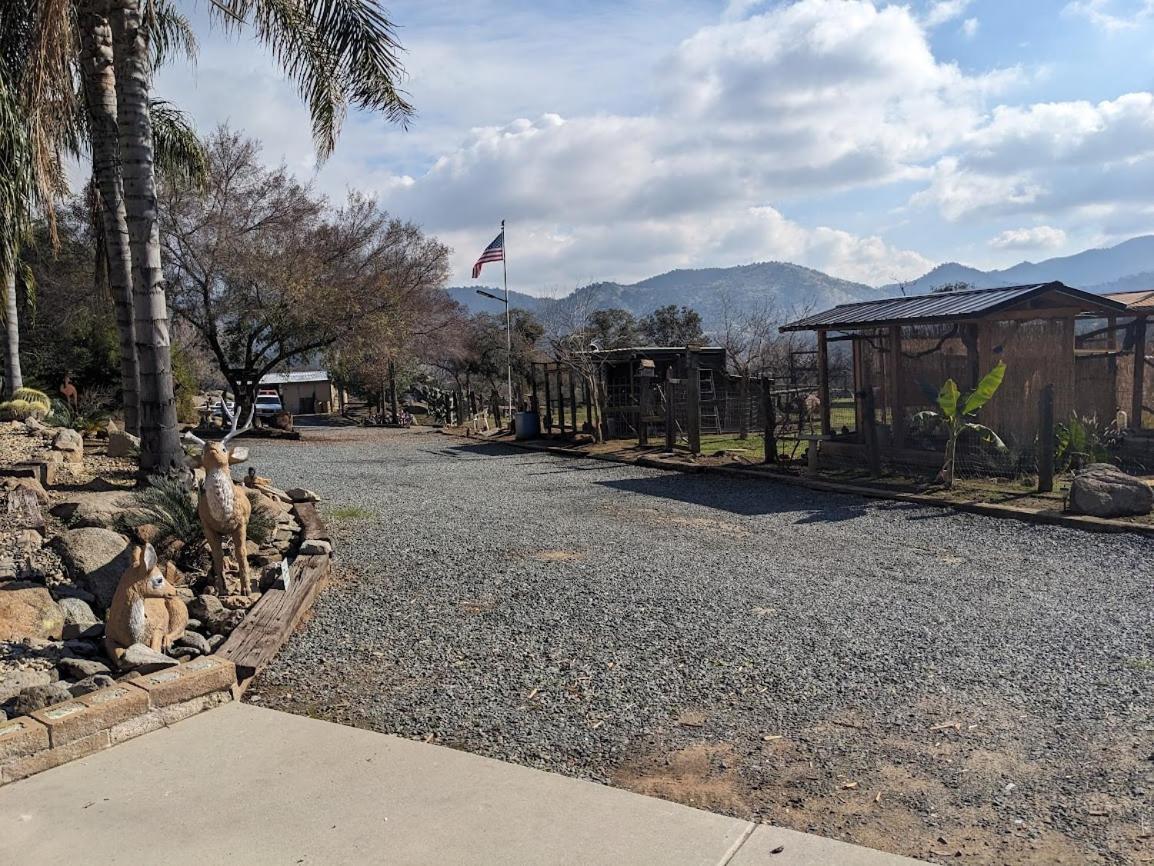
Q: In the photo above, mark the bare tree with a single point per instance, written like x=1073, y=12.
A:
x=747, y=336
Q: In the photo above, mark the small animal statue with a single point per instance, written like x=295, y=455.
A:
x=68, y=391
x=145, y=608
x=224, y=507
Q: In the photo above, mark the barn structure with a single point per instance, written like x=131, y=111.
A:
x=903, y=349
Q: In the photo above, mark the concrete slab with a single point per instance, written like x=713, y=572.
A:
x=777, y=846
x=247, y=785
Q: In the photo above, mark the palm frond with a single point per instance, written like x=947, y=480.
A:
x=179, y=152
x=170, y=33
x=338, y=52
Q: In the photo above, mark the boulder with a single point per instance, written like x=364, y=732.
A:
x=121, y=444
x=216, y=617
x=70, y=445
x=36, y=698
x=1103, y=490
x=91, y=684
x=95, y=558
x=300, y=494
x=78, y=669
x=99, y=509
x=27, y=610
x=315, y=547
x=194, y=641
x=79, y=620
x=27, y=483
x=14, y=682
x=140, y=658
x=34, y=425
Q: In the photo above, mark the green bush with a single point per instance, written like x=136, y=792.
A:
x=21, y=410
x=170, y=511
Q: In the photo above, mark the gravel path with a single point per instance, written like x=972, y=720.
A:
x=918, y=680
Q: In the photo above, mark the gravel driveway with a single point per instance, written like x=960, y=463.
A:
x=936, y=684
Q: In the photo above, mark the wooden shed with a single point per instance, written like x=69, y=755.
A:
x=904, y=348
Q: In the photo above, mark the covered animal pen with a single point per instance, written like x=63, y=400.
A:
x=903, y=349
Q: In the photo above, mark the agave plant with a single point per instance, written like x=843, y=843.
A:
x=957, y=413
x=169, y=511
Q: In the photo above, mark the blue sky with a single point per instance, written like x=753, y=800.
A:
x=620, y=140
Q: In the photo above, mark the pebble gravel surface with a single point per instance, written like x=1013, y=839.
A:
x=942, y=685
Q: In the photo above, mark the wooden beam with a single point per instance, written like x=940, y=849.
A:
x=896, y=399
x=693, y=401
x=1137, y=400
x=823, y=382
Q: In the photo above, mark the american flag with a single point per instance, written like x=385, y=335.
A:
x=495, y=252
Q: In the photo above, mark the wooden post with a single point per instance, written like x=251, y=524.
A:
x=769, y=419
x=823, y=381
x=693, y=403
x=548, y=400
x=573, y=402
x=393, y=392
x=670, y=419
x=897, y=403
x=1046, y=440
x=585, y=390
x=561, y=398
x=869, y=412
x=970, y=341
x=1137, y=400
x=643, y=414
x=534, y=402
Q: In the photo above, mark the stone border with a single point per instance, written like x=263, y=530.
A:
x=72, y=729
x=988, y=509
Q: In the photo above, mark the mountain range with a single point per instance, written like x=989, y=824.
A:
x=790, y=289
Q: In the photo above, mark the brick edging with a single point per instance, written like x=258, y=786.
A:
x=1009, y=512
x=72, y=729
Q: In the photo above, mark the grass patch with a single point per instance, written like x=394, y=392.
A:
x=349, y=512
x=1141, y=664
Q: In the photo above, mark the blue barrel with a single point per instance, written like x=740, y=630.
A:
x=526, y=425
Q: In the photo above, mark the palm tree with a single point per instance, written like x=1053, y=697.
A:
x=338, y=52
x=15, y=193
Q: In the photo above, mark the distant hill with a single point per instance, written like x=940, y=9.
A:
x=1129, y=265
x=786, y=287
x=792, y=289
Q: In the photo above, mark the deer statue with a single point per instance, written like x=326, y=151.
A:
x=68, y=391
x=224, y=507
x=145, y=608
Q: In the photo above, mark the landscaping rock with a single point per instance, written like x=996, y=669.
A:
x=79, y=620
x=70, y=445
x=31, y=484
x=194, y=641
x=143, y=660
x=215, y=640
x=78, y=669
x=1103, y=490
x=36, y=698
x=216, y=617
x=99, y=509
x=14, y=682
x=27, y=610
x=34, y=426
x=121, y=444
x=95, y=558
x=315, y=547
x=300, y=494
x=82, y=647
x=91, y=684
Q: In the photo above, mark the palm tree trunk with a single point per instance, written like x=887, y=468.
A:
x=13, y=378
x=100, y=95
x=160, y=449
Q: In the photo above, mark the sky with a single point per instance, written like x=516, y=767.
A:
x=620, y=140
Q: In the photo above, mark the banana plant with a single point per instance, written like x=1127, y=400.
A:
x=957, y=413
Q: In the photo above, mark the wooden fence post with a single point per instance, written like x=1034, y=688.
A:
x=769, y=419
x=1046, y=440
x=561, y=399
x=869, y=416
x=670, y=418
x=693, y=383
x=643, y=414
x=1137, y=400
x=573, y=401
x=548, y=400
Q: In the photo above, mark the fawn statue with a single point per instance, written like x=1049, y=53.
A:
x=145, y=608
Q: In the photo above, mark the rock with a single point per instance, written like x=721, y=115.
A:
x=214, y=641
x=14, y=682
x=193, y=624
x=91, y=684
x=216, y=617
x=300, y=494
x=315, y=547
x=121, y=444
x=82, y=647
x=78, y=669
x=1103, y=490
x=95, y=558
x=79, y=620
x=3, y=717
x=34, y=426
x=36, y=698
x=71, y=590
x=194, y=641
x=31, y=484
x=27, y=610
x=70, y=445
x=140, y=658
x=96, y=508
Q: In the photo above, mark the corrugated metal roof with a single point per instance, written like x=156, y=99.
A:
x=294, y=377
x=939, y=306
x=1143, y=300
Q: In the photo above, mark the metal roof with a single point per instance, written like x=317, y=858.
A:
x=969, y=304
x=1143, y=300
x=294, y=377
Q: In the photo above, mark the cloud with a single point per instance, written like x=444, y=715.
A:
x=1036, y=238
x=1110, y=15
x=970, y=27
x=945, y=10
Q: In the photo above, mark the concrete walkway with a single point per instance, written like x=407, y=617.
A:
x=242, y=784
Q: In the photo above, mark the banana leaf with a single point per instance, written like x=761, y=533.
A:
x=986, y=389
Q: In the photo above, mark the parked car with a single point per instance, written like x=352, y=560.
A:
x=268, y=404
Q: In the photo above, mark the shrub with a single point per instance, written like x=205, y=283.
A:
x=261, y=522
x=87, y=418
x=167, y=508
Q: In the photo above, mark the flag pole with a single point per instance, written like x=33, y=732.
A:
x=508, y=320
